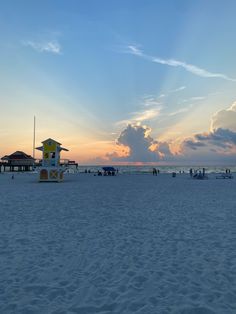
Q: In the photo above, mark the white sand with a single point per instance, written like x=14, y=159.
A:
x=125, y=244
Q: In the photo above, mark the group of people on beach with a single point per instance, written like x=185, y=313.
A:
x=107, y=173
x=111, y=172
x=198, y=174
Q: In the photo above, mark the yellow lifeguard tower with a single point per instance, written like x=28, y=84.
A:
x=51, y=169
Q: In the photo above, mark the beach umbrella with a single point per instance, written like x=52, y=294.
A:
x=109, y=169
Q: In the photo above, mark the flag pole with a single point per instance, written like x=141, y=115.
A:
x=34, y=138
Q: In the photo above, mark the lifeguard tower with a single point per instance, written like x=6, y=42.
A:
x=51, y=169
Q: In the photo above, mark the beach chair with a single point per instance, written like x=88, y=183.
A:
x=224, y=176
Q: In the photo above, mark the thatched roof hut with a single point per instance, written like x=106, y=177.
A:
x=18, y=158
x=17, y=161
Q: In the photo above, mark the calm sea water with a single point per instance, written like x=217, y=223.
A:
x=162, y=169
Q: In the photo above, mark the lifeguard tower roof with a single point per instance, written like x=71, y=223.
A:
x=52, y=140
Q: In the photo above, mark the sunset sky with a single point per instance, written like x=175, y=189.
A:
x=120, y=81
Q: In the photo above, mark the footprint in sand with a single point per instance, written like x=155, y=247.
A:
x=138, y=281
x=153, y=301
x=136, y=306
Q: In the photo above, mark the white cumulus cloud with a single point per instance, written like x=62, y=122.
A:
x=225, y=119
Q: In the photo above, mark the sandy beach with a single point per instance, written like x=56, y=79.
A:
x=126, y=244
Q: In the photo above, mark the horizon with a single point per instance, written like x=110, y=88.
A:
x=120, y=82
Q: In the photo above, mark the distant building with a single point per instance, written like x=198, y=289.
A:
x=18, y=161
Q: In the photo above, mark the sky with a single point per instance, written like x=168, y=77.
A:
x=120, y=82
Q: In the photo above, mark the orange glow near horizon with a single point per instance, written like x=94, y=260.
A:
x=84, y=150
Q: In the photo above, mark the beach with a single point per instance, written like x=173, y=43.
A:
x=124, y=244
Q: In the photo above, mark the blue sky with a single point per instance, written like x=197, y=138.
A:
x=90, y=69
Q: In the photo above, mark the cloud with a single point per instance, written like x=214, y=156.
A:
x=193, y=99
x=196, y=98
x=178, y=89
x=218, y=145
x=135, y=51
x=220, y=141
x=224, y=119
x=132, y=49
x=193, y=144
x=163, y=149
x=181, y=110
x=135, y=144
x=151, y=101
x=138, y=140
x=152, y=110
x=45, y=46
x=141, y=146
x=221, y=137
x=144, y=115
x=152, y=107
